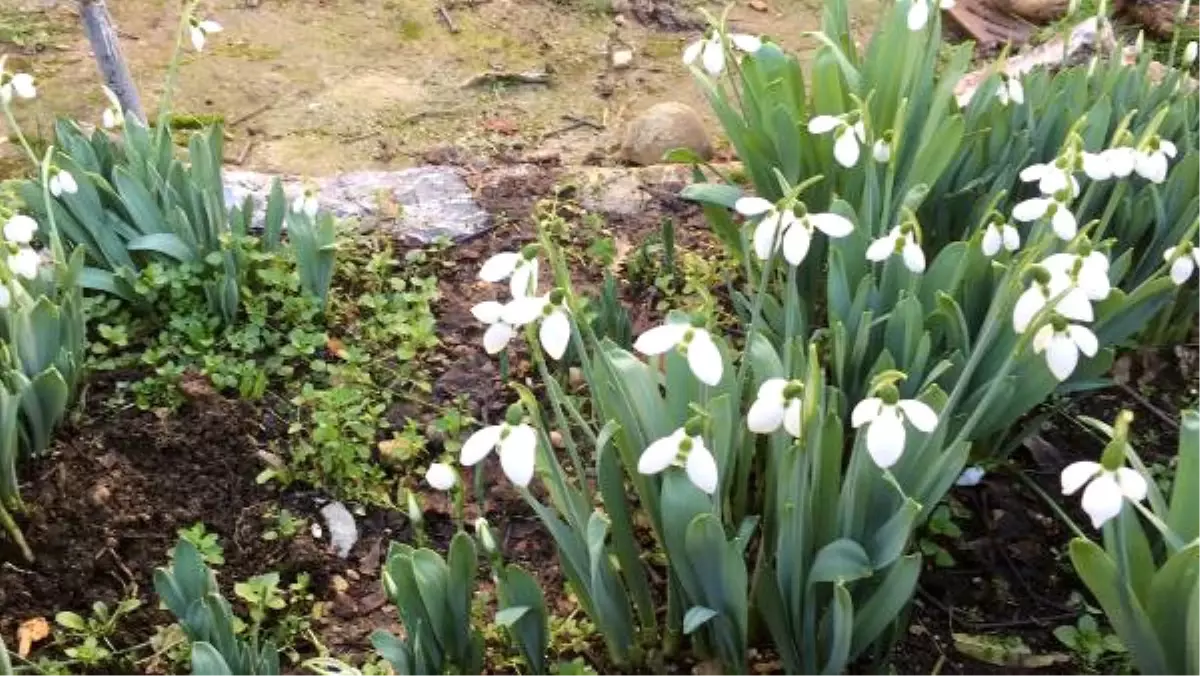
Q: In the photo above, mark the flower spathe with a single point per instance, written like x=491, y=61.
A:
x=62, y=183
x=704, y=359
x=1183, y=259
x=24, y=263
x=997, y=236
x=19, y=85
x=1056, y=208
x=847, y=137
x=515, y=267
x=785, y=230
x=1062, y=344
x=679, y=448
x=554, y=333
x=899, y=240
x=778, y=404
x=19, y=229
x=1106, y=490
x=885, y=425
x=441, y=476
x=711, y=51
x=200, y=30
x=515, y=444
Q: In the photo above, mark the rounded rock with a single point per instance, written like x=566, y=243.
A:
x=663, y=127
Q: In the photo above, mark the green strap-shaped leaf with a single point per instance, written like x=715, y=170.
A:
x=843, y=560
x=165, y=243
x=207, y=661
x=1185, y=495
x=695, y=617
x=839, y=629
x=1173, y=593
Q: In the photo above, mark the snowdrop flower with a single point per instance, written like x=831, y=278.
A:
x=555, y=330
x=306, y=203
x=112, y=116
x=5, y=296
x=24, y=263
x=1151, y=164
x=918, y=12
x=62, y=182
x=20, y=229
x=702, y=354
x=970, y=476
x=711, y=51
x=1106, y=490
x=1056, y=208
x=16, y=84
x=1096, y=166
x=686, y=450
x=1051, y=178
x=847, y=140
x=884, y=416
x=1062, y=343
x=778, y=403
x=995, y=236
x=900, y=240
x=1010, y=90
x=516, y=443
x=1183, y=259
x=1190, y=53
x=498, y=332
x=441, y=476
x=520, y=268
x=1087, y=272
x=1120, y=160
x=788, y=231
x=1073, y=305
x=882, y=151
x=200, y=31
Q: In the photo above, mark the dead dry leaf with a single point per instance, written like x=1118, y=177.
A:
x=31, y=631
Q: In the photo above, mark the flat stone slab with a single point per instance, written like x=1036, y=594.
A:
x=422, y=203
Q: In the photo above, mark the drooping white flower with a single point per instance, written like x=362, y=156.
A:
x=62, y=182
x=20, y=229
x=704, y=359
x=1051, y=178
x=200, y=30
x=441, y=476
x=554, y=333
x=109, y=119
x=1120, y=160
x=1056, y=208
x=1010, y=89
x=996, y=236
x=112, y=116
x=847, y=137
x=778, y=403
x=918, y=12
x=788, y=231
x=306, y=203
x=1190, y=52
x=498, y=332
x=514, y=266
x=1088, y=273
x=24, y=263
x=1151, y=163
x=16, y=84
x=1096, y=166
x=1073, y=305
x=5, y=296
x=1183, y=259
x=516, y=445
x=882, y=151
x=899, y=240
x=1106, y=490
x=885, y=425
x=1062, y=343
x=684, y=450
x=711, y=52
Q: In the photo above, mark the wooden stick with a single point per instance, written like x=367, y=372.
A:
x=447, y=18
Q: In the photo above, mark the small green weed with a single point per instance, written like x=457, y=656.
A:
x=206, y=543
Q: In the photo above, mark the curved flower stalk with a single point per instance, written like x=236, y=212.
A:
x=694, y=341
x=782, y=228
x=849, y=133
x=885, y=415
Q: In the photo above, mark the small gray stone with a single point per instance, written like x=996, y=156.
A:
x=622, y=59
x=422, y=203
x=663, y=127
x=343, y=532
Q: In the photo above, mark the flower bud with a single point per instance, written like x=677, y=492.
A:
x=793, y=390
x=484, y=532
x=1113, y=457
x=889, y=394
x=694, y=426
x=530, y=251
x=557, y=296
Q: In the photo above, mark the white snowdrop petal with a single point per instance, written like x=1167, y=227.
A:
x=713, y=57
x=1132, y=484
x=1102, y=499
x=1120, y=160
x=555, y=334
x=845, y=148
x=210, y=26
x=919, y=414
x=701, y=467
x=197, y=36
x=497, y=336
x=1011, y=237
x=488, y=312
x=1028, y=305
x=881, y=248
x=5, y=296
x=918, y=15
x=24, y=263
x=1076, y=306
x=660, y=339
x=1064, y=223
x=67, y=182
x=823, y=124
x=1164, y=146
x=523, y=309
x=1016, y=91
x=1033, y=172
x=752, y=206
x=865, y=411
x=1031, y=209
x=22, y=85
x=1084, y=339
x=660, y=454
x=499, y=266
x=885, y=438
x=772, y=388
x=793, y=417
x=20, y=229
x=478, y=445
x=833, y=225
x=705, y=359
x=518, y=454
x=746, y=43
x=440, y=476
x=881, y=151
x=1062, y=356
x=1076, y=474
x=692, y=52
x=1096, y=167
x=914, y=257
x=765, y=234
x=524, y=279
x=1041, y=339
x=795, y=244
x=991, y=241
x=1181, y=269
x=765, y=416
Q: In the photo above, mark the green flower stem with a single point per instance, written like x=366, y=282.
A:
x=1117, y=194
x=559, y=417
x=16, y=130
x=14, y=532
x=164, y=105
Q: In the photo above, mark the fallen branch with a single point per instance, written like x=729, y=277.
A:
x=504, y=77
x=447, y=18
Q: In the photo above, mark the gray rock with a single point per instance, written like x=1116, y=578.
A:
x=343, y=532
x=663, y=127
x=622, y=59
x=421, y=203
